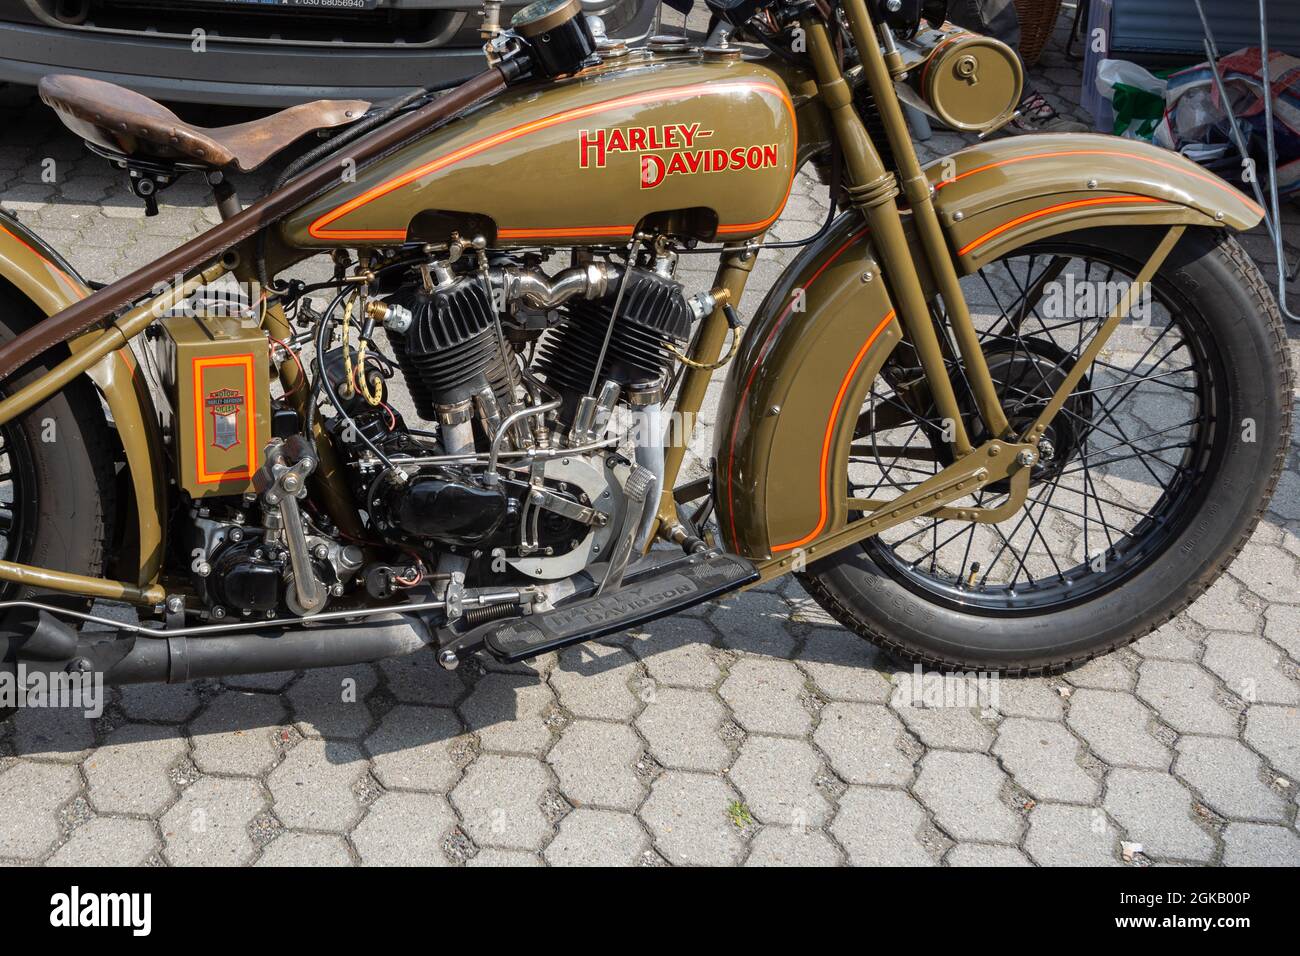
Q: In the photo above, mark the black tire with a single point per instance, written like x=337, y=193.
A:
x=58, y=462
x=1228, y=301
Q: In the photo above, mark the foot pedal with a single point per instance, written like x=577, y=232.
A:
x=684, y=583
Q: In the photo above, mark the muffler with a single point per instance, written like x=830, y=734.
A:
x=42, y=642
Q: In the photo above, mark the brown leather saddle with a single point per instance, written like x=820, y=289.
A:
x=123, y=122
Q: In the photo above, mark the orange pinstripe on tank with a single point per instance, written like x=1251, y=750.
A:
x=319, y=228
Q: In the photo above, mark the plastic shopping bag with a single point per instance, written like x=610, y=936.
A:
x=1137, y=98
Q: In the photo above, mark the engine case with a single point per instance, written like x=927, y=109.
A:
x=689, y=144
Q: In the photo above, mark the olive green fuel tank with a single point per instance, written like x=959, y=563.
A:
x=690, y=143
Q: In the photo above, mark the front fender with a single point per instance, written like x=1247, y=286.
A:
x=1000, y=195
x=793, y=392
x=43, y=277
x=788, y=410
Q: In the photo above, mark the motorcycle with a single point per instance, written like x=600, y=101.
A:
x=1007, y=411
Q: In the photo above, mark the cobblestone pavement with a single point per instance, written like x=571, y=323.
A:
x=752, y=731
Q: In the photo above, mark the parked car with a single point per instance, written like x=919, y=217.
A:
x=263, y=52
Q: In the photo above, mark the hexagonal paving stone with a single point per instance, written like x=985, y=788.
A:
x=862, y=743
x=275, y=681
x=1221, y=608
x=676, y=653
x=129, y=773
x=1228, y=777
x=776, y=776
x=539, y=667
x=30, y=797
x=166, y=703
x=792, y=846
x=411, y=748
x=1101, y=673
x=305, y=849
x=844, y=666
x=1177, y=640
x=765, y=695
x=880, y=827
x=1251, y=667
x=590, y=837
x=331, y=702
x=237, y=732
x=756, y=623
x=804, y=609
x=592, y=681
x=986, y=854
x=313, y=787
x=1275, y=732
x=1156, y=810
x=404, y=829
x=687, y=816
x=964, y=793
x=1258, y=844
x=952, y=728
x=681, y=727
x=108, y=841
x=418, y=679
x=1116, y=728
x=1268, y=571
x=595, y=762
x=52, y=733
x=1282, y=627
x=1041, y=757
x=491, y=856
x=208, y=826
x=1183, y=695
x=506, y=711
x=1071, y=836
x=1028, y=697
x=500, y=802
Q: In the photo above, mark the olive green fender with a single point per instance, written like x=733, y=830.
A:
x=793, y=392
x=42, y=276
x=819, y=338
x=1000, y=195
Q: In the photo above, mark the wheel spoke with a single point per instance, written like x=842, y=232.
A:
x=1127, y=436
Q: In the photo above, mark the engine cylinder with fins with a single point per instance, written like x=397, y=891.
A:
x=653, y=314
x=450, y=351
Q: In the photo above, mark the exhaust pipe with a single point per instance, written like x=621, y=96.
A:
x=125, y=657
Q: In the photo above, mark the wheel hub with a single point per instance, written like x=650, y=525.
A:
x=1026, y=376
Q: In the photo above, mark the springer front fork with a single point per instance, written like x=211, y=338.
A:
x=873, y=190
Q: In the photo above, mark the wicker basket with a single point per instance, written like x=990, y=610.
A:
x=1037, y=20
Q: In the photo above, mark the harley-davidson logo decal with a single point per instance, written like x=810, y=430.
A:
x=225, y=417
x=224, y=405
x=668, y=151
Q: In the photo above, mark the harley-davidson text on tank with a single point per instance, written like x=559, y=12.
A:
x=669, y=151
x=707, y=146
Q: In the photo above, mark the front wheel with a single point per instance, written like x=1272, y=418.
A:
x=1151, y=477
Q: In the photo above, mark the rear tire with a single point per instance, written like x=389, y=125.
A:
x=1230, y=305
x=57, y=464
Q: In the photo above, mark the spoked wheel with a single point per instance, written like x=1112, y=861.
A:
x=56, y=483
x=1150, y=478
x=18, y=498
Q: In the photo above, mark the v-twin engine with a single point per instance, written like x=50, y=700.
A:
x=524, y=372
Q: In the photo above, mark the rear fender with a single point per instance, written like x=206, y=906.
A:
x=42, y=276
